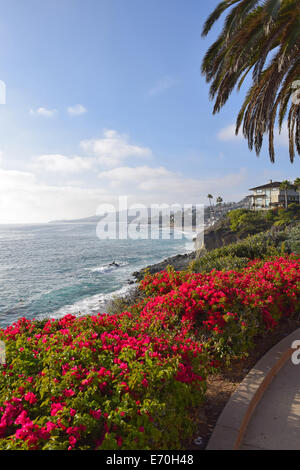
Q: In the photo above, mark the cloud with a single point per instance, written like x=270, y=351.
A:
x=108, y=151
x=162, y=85
x=282, y=138
x=62, y=163
x=43, y=112
x=34, y=196
x=76, y=110
x=113, y=148
x=24, y=200
x=167, y=186
x=228, y=133
x=128, y=174
x=11, y=179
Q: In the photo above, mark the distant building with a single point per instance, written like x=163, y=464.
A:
x=270, y=196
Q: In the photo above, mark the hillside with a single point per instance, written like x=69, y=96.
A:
x=277, y=226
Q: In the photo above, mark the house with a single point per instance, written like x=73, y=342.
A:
x=270, y=196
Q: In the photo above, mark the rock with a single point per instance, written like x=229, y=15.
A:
x=179, y=262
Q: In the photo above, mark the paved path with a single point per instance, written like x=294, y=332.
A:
x=264, y=412
x=275, y=423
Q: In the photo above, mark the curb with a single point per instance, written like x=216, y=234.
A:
x=235, y=418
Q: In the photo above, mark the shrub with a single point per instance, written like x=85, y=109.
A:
x=227, y=309
x=212, y=261
x=98, y=382
x=237, y=255
x=293, y=239
x=131, y=380
x=244, y=221
x=286, y=216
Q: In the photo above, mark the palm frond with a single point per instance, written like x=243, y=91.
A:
x=262, y=37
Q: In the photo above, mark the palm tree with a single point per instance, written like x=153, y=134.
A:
x=219, y=201
x=297, y=185
x=262, y=36
x=210, y=197
x=285, y=186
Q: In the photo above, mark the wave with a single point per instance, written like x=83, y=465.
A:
x=89, y=305
x=107, y=268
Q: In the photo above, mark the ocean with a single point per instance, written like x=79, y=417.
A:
x=50, y=270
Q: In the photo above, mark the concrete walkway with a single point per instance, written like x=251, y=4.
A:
x=264, y=412
x=275, y=423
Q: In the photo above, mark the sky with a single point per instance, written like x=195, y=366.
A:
x=105, y=98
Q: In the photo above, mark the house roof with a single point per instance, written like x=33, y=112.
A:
x=274, y=184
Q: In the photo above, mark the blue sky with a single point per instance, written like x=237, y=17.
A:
x=106, y=98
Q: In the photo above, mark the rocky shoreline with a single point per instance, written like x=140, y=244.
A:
x=215, y=236
x=179, y=262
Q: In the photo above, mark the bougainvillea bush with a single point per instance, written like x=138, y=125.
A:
x=226, y=309
x=131, y=380
x=98, y=382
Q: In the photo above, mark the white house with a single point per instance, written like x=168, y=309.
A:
x=270, y=195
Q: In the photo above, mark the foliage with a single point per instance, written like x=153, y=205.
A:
x=292, y=243
x=285, y=216
x=262, y=37
x=98, y=382
x=131, y=380
x=119, y=304
x=245, y=221
x=227, y=308
x=212, y=261
x=237, y=255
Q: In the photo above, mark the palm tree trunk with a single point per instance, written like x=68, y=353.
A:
x=210, y=211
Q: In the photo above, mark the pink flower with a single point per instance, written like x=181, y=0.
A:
x=30, y=397
x=96, y=414
x=50, y=426
x=55, y=408
x=72, y=440
x=22, y=419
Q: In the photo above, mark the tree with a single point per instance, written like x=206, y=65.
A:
x=210, y=197
x=297, y=185
x=285, y=186
x=244, y=221
x=219, y=201
x=262, y=36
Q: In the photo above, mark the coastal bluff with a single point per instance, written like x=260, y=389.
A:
x=214, y=237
